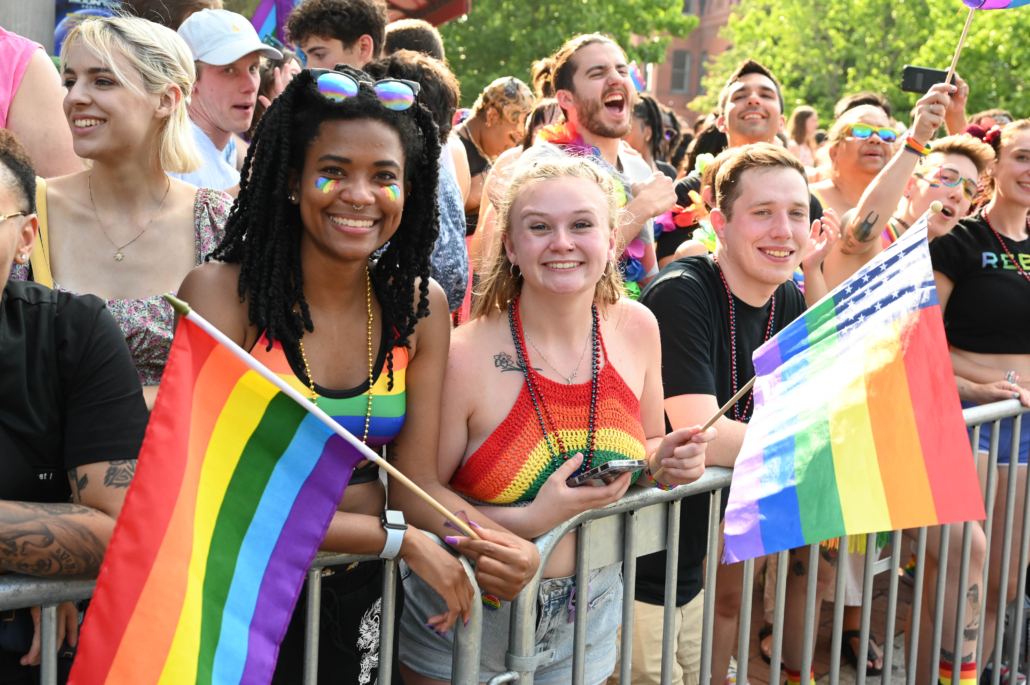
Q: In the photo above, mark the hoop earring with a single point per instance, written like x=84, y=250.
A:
x=511, y=270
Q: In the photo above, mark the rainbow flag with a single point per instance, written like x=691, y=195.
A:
x=857, y=426
x=235, y=488
x=995, y=4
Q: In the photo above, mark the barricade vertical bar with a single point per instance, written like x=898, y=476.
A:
x=808, y=634
x=867, y=602
x=467, y=639
x=744, y=634
x=776, y=654
x=938, y=609
x=629, y=576
x=672, y=547
x=960, y=611
x=917, y=607
x=708, y=619
x=1024, y=543
x=989, y=495
x=1006, y=551
x=838, y=608
x=314, y=609
x=581, y=602
x=387, y=622
x=892, y=606
x=48, y=645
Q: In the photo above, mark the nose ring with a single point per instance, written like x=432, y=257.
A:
x=357, y=207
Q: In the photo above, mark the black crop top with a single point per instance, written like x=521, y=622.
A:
x=989, y=309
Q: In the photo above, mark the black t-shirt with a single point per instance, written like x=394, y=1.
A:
x=666, y=169
x=989, y=308
x=69, y=392
x=666, y=243
x=689, y=300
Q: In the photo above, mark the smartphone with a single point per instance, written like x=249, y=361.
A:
x=920, y=79
x=607, y=472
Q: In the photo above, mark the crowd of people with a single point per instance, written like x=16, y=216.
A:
x=330, y=196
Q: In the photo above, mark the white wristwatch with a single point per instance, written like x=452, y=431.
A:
x=394, y=524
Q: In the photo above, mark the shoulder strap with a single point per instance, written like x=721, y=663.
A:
x=40, y=259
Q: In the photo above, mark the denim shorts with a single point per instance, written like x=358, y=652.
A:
x=1004, y=438
x=429, y=654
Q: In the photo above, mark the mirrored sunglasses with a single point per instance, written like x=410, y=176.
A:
x=395, y=94
x=884, y=133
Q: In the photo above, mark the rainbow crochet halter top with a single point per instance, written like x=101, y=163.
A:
x=513, y=463
x=348, y=407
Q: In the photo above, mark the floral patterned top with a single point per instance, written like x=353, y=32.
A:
x=148, y=322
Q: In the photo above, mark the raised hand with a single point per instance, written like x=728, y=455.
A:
x=821, y=239
x=652, y=197
x=682, y=455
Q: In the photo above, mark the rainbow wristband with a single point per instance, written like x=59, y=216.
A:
x=913, y=146
x=660, y=486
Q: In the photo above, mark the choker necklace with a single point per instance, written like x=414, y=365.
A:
x=118, y=254
x=307, y=368
x=738, y=415
x=559, y=455
x=1004, y=247
x=568, y=379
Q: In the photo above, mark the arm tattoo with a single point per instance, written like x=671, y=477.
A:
x=49, y=540
x=860, y=234
x=119, y=473
x=78, y=484
x=504, y=362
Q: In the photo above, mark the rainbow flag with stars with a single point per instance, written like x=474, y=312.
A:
x=857, y=426
x=235, y=488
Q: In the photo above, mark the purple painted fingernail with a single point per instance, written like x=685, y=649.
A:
x=466, y=621
x=451, y=540
x=474, y=524
x=431, y=627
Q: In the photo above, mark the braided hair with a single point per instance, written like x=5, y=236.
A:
x=263, y=232
x=647, y=110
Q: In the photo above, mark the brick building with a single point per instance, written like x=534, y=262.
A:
x=677, y=80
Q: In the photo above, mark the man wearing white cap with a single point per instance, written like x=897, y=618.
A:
x=227, y=52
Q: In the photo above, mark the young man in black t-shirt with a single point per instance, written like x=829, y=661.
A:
x=714, y=311
x=751, y=111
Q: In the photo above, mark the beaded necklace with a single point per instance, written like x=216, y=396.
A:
x=560, y=454
x=1004, y=247
x=741, y=416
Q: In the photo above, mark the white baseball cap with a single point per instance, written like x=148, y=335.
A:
x=220, y=37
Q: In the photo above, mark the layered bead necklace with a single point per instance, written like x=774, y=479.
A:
x=307, y=368
x=738, y=415
x=1005, y=247
x=559, y=455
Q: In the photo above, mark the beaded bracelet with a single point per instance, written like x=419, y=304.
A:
x=660, y=486
x=914, y=146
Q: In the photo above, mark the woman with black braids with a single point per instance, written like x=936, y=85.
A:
x=341, y=166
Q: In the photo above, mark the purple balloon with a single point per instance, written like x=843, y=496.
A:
x=995, y=4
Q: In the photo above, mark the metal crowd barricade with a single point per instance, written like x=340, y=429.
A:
x=647, y=521
x=19, y=592
x=642, y=522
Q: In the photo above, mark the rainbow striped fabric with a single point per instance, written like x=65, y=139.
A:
x=514, y=462
x=235, y=488
x=995, y=4
x=857, y=425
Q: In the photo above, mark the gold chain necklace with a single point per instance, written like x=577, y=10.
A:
x=118, y=254
x=307, y=368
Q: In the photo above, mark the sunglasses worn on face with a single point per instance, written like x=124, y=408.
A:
x=951, y=178
x=863, y=131
x=395, y=94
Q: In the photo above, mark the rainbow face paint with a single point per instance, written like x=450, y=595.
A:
x=326, y=185
x=391, y=192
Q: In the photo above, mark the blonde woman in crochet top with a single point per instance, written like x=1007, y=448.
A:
x=510, y=439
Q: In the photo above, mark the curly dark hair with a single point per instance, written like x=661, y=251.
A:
x=344, y=20
x=18, y=170
x=417, y=35
x=263, y=232
x=439, y=92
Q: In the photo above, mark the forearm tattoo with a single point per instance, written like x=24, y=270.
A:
x=49, y=539
x=862, y=233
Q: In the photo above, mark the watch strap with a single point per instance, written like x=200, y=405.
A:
x=394, y=540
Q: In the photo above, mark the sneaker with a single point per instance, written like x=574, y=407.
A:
x=1006, y=674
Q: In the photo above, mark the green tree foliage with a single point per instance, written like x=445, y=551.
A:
x=821, y=50
x=504, y=37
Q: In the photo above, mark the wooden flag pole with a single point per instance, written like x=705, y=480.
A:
x=722, y=410
x=184, y=310
x=961, y=42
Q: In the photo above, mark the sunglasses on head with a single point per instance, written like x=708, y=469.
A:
x=884, y=133
x=951, y=178
x=395, y=94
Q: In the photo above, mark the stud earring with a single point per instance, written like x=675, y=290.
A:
x=292, y=198
x=22, y=258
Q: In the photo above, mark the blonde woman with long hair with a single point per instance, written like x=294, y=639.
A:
x=123, y=229
x=555, y=373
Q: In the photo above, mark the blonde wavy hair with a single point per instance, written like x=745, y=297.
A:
x=499, y=284
x=162, y=60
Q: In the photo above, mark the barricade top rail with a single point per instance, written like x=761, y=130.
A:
x=985, y=413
